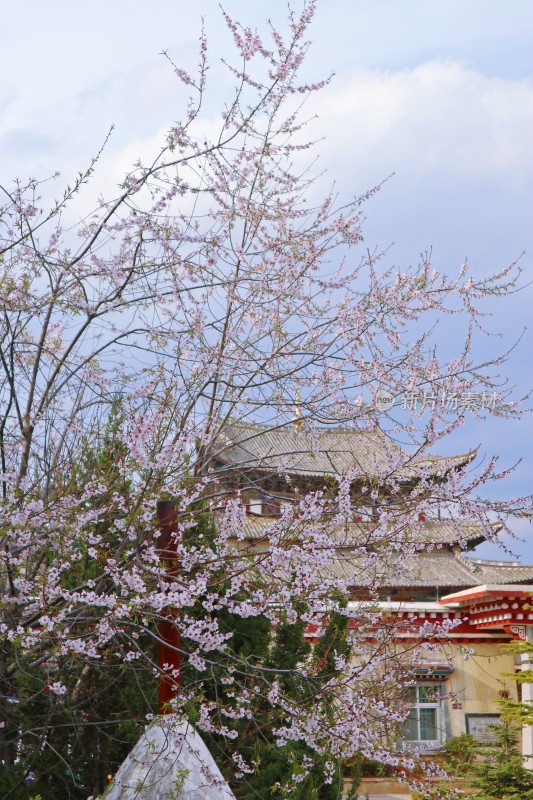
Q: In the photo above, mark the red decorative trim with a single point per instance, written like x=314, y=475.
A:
x=517, y=631
x=478, y=592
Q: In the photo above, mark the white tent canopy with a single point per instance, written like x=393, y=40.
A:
x=169, y=760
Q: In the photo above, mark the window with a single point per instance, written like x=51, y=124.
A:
x=423, y=722
x=271, y=507
x=254, y=506
x=263, y=506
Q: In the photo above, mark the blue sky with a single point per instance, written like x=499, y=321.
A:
x=438, y=92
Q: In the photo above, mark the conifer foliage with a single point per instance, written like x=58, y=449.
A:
x=500, y=774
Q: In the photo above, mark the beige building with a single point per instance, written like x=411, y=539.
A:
x=483, y=601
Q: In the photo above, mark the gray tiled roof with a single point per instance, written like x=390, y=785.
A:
x=326, y=452
x=432, y=532
x=444, y=569
x=334, y=452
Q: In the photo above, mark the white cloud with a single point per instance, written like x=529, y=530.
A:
x=439, y=118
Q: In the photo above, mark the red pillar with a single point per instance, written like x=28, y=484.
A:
x=169, y=635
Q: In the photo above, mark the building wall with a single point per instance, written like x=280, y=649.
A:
x=469, y=695
x=476, y=684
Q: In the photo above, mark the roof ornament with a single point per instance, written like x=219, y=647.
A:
x=297, y=419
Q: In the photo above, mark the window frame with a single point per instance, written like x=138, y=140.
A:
x=416, y=718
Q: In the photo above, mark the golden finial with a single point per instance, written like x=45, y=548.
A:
x=297, y=419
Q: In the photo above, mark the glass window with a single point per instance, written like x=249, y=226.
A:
x=271, y=507
x=423, y=722
x=428, y=724
x=255, y=506
x=428, y=694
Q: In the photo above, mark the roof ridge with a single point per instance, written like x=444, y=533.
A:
x=288, y=427
x=491, y=562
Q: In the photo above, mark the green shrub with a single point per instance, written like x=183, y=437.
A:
x=459, y=754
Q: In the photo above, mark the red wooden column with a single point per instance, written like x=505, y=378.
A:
x=169, y=635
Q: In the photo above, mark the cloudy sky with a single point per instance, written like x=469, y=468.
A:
x=437, y=94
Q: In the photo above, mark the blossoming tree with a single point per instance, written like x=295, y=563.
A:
x=210, y=289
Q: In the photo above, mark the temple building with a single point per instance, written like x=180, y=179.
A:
x=438, y=579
